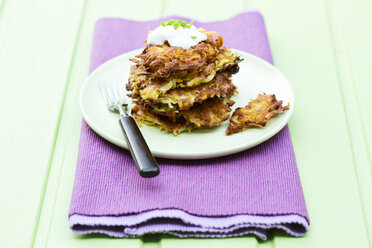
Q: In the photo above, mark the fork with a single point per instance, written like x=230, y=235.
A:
x=142, y=156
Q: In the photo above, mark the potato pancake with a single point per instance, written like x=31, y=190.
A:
x=256, y=114
x=183, y=87
x=209, y=114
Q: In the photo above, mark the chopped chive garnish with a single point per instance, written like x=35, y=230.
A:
x=193, y=37
x=177, y=23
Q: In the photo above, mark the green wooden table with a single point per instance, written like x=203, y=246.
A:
x=324, y=47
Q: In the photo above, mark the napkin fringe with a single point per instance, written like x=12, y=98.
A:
x=182, y=224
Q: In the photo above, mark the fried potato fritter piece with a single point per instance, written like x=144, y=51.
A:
x=209, y=114
x=184, y=98
x=165, y=60
x=150, y=88
x=256, y=114
x=145, y=116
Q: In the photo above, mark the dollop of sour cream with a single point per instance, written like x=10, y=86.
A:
x=179, y=37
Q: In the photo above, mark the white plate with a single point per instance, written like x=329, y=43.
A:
x=255, y=76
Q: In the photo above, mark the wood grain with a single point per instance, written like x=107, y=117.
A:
x=35, y=57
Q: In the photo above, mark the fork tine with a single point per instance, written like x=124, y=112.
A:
x=122, y=98
x=115, y=93
x=104, y=92
x=111, y=94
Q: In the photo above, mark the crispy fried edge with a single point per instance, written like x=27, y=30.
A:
x=256, y=117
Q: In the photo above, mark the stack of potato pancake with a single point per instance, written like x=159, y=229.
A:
x=181, y=89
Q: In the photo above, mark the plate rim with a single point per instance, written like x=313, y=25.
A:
x=193, y=155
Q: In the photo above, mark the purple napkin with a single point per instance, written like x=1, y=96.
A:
x=247, y=193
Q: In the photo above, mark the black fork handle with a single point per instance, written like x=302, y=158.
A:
x=142, y=156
